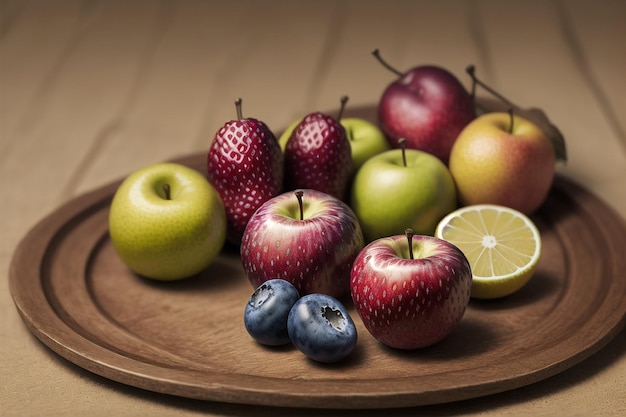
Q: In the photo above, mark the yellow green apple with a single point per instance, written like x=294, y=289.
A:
x=167, y=222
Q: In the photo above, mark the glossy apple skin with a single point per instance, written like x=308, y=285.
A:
x=410, y=303
x=314, y=254
x=388, y=197
x=167, y=239
x=366, y=140
x=492, y=166
x=427, y=106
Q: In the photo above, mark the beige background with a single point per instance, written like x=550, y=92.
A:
x=92, y=90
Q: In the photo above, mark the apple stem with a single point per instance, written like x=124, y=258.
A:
x=471, y=70
x=299, y=194
x=511, y=118
x=166, y=190
x=409, y=236
x=344, y=100
x=238, y=107
x=402, y=143
x=376, y=53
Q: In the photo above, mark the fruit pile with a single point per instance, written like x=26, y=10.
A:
x=407, y=218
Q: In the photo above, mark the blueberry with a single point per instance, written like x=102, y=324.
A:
x=321, y=328
x=267, y=310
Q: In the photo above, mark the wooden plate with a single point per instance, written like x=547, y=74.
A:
x=187, y=338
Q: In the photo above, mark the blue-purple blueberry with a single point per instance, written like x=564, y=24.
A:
x=320, y=327
x=268, y=308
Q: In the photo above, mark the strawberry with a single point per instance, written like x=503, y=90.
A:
x=245, y=165
x=318, y=156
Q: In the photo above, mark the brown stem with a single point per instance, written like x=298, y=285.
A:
x=409, y=236
x=376, y=53
x=299, y=194
x=402, y=143
x=344, y=100
x=238, y=107
x=166, y=190
x=471, y=70
x=511, y=120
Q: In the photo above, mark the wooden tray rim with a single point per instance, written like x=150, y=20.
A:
x=55, y=333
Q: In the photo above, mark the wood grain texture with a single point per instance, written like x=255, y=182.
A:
x=92, y=90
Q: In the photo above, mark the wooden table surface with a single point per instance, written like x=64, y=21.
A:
x=92, y=90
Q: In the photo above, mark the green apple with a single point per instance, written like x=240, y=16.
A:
x=402, y=189
x=167, y=222
x=366, y=139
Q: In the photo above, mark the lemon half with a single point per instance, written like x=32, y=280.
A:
x=503, y=246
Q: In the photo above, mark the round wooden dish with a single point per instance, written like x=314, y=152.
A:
x=187, y=338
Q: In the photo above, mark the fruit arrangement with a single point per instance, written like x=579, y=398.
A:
x=401, y=221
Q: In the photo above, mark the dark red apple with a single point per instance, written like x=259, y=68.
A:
x=428, y=106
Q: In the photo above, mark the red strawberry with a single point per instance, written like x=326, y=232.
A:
x=318, y=156
x=245, y=165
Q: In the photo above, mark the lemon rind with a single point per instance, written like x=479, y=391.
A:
x=483, y=287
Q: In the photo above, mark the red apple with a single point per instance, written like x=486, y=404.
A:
x=427, y=106
x=410, y=295
x=306, y=237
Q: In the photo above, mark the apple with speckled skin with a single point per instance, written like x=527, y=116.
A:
x=306, y=237
x=167, y=222
x=501, y=158
x=410, y=291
